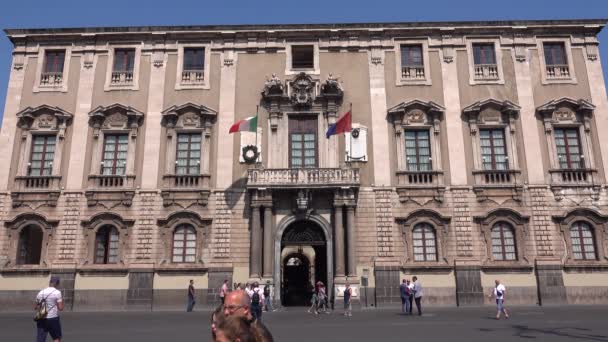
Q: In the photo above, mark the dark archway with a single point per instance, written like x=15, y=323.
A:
x=305, y=264
x=30, y=245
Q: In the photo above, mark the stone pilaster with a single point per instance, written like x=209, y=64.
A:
x=153, y=118
x=339, y=240
x=598, y=97
x=144, y=231
x=384, y=223
x=541, y=221
x=351, y=239
x=225, y=161
x=377, y=88
x=70, y=229
x=462, y=222
x=268, y=242
x=256, y=242
x=11, y=107
x=221, y=226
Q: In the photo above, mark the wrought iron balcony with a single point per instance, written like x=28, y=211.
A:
x=303, y=178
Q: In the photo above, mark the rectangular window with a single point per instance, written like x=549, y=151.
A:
x=484, y=54
x=53, y=61
x=568, y=147
x=187, y=161
x=42, y=155
x=418, y=150
x=194, y=59
x=493, y=151
x=302, y=57
x=555, y=54
x=302, y=142
x=411, y=55
x=115, y=149
x=124, y=60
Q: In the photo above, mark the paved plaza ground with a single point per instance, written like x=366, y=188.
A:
x=572, y=323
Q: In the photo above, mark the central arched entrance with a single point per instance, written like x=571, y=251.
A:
x=303, y=260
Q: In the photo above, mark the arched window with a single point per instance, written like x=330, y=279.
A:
x=184, y=244
x=425, y=243
x=583, y=241
x=503, y=242
x=30, y=245
x=106, y=245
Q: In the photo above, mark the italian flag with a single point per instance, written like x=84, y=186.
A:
x=249, y=124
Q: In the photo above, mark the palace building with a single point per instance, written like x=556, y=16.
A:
x=475, y=154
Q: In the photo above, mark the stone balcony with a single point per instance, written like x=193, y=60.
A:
x=185, y=190
x=486, y=72
x=420, y=186
x=557, y=72
x=193, y=77
x=494, y=184
x=121, y=78
x=112, y=181
x=413, y=72
x=109, y=189
x=573, y=177
x=303, y=178
x=36, y=189
x=51, y=79
x=36, y=183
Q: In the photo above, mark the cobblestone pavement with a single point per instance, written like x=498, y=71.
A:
x=566, y=323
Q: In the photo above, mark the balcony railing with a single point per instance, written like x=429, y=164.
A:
x=412, y=72
x=25, y=183
x=193, y=77
x=51, y=79
x=112, y=181
x=313, y=177
x=572, y=177
x=497, y=177
x=556, y=72
x=420, y=178
x=186, y=181
x=121, y=78
x=486, y=71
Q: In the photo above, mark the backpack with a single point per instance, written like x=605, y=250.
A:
x=266, y=291
x=255, y=298
x=41, y=309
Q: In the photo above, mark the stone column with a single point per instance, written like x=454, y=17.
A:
x=11, y=107
x=351, y=239
x=256, y=243
x=153, y=119
x=267, y=242
x=339, y=240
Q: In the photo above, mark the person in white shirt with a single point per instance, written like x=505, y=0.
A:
x=224, y=291
x=499, y=294
x=256, y=301
x=50, y=325
x=418, y=295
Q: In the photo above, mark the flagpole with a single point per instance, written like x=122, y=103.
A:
x=350, y=157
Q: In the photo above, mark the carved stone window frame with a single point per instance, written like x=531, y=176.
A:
x=17, y=224
x=108, y=86
x=441, y=225
x=202, y=227
x=566, y=112
x=417, y=115
x=63, y=87
x=42, y=120
x=543, y=66
x=180, y=67
x=599, y=226
x=188, y=118
x=289, y=71
x=92, y=225
x=489, y=114
x=424, y=43
x=114, y=119
x=471, y=58
x=519, y=224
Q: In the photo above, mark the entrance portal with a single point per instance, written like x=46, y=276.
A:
x=303, y=262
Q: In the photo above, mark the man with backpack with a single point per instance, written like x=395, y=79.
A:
x=257, y=300
x=48, y=304
x=268, y=297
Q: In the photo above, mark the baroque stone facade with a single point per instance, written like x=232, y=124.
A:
x=476, y=154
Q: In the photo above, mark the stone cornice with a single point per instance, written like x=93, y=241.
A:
x=339, y=31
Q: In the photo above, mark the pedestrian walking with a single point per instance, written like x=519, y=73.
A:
x=313, y=302
x=348, y=292
x=191, y=297
x=499, y=295
x=322, y=298
x=48, y=304
x=418, y=295
x=223, y=291
x=257, y=300
x=268, y=297
x=404, y=292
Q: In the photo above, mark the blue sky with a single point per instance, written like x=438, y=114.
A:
x=72, y=13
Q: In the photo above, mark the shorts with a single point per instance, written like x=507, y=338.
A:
x=51, y=326
x=500, y=304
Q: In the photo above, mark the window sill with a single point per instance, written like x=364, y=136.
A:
x=496, y=266
x=585, y=266
x=413, y=82
x=15, y=270
x=427, y=267
x=570, y=80
x=182, y=268
x=108, y=270
x=488, y=81
x=58, y=88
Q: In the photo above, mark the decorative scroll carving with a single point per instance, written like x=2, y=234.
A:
x=188, y=115
x=44, y=118
x=303, y=233
x=116, y=116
